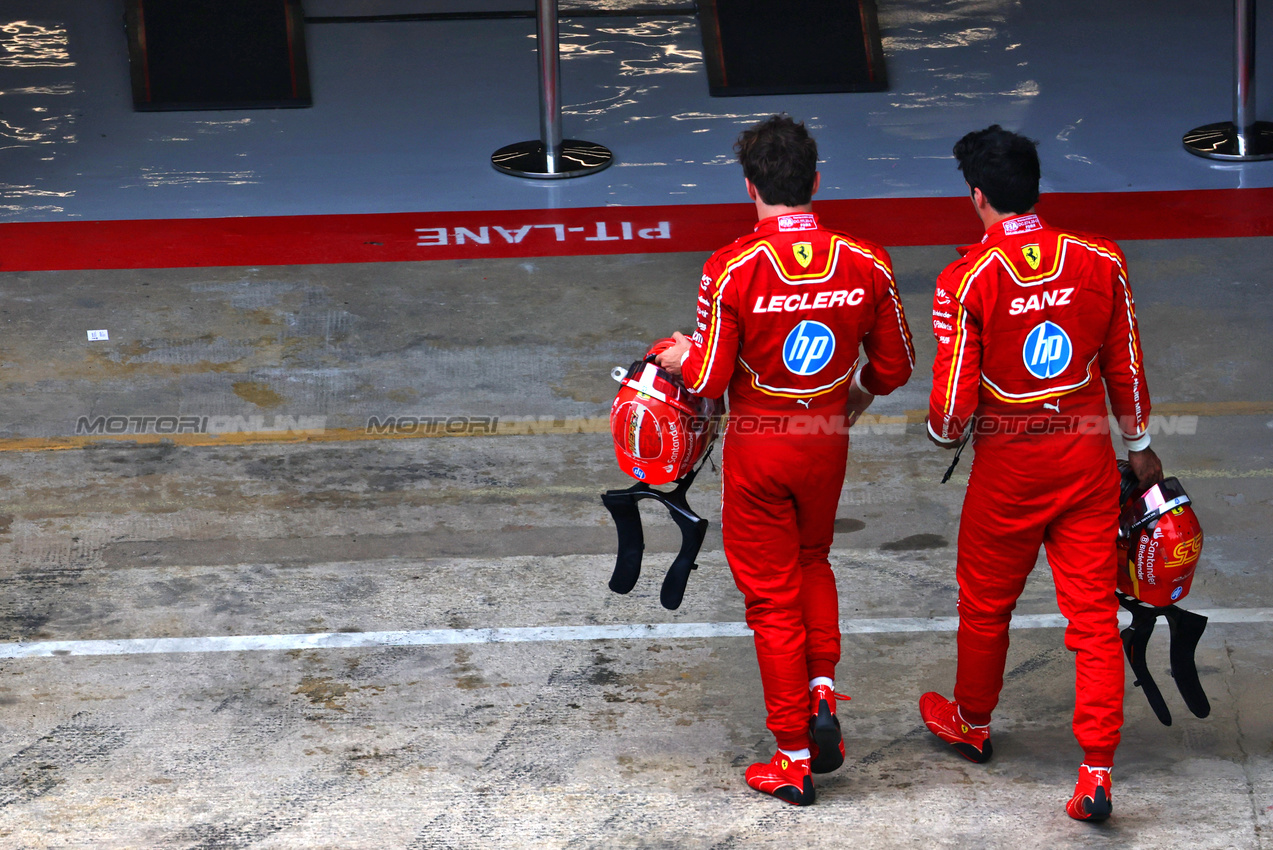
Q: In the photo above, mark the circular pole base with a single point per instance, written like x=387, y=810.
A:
x=1220, y=141
x=528, y=159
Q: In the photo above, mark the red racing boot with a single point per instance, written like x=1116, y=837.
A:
x=1092, y=798
x=786, y=778
x=943, y=719
x=827, y=745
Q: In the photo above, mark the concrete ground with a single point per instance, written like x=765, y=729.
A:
x=574, y=738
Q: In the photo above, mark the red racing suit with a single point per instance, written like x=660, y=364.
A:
x=1033, y=326
x=782, y=313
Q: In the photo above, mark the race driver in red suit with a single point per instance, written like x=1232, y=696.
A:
x=782, y=313
x=1034, y=326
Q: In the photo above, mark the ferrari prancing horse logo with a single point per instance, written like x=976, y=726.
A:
x=1032, y=256
x=804, y=253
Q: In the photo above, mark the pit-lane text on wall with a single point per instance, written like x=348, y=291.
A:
x=599, y=231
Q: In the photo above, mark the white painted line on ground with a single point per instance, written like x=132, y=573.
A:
x=539, y=634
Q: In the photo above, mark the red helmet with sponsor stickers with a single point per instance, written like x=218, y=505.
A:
x=660, y=429
x=1159, y=542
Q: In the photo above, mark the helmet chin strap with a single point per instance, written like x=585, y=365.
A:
x=950, y=470
x=1186, y=629
x=622, y=505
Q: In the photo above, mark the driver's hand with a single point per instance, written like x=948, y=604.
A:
x=670, y=358
x=1147, y=466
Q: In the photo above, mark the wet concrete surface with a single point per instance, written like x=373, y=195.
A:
x=372, y=141
x=603, y=743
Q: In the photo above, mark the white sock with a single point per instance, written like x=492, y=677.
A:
x=795, y=755
x=821, y=680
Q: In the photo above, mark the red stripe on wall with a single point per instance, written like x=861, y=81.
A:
x=399, y=237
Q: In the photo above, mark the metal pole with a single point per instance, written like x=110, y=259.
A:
x=549, y=82
x=1244, y=139
x=550, y=157
x=1243, y=73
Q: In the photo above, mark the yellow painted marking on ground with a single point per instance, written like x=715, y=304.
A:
x=503, y=428
x=1185, y=408
x=1215, y=408
x=1184, y=474
x=492, y=426
x=1222, y=473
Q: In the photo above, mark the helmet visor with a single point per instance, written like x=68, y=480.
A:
x=653, y=380
x=1165, y=496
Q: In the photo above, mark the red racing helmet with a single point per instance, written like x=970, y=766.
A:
x=660, y=429
x=1159, y=543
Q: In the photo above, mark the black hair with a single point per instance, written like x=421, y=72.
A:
x=780, y=159
x=1003, y=165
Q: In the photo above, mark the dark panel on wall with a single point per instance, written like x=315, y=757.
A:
x=217, y=54
x=791, y=46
